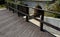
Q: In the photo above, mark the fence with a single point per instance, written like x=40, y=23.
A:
x=24, y=10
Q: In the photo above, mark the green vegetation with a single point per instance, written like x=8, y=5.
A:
x=49, y=14
x=10, y=0
x=55, y=7
x=2, y=6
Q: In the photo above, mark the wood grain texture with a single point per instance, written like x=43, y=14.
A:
x=13, y=26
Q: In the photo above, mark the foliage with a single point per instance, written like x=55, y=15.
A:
x=10, y=0
x=2, y=6
x=55, y=7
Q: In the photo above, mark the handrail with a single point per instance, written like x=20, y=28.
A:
x=48, y=24
x=53, y=11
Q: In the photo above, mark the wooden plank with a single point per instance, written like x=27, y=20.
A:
x=18, y=27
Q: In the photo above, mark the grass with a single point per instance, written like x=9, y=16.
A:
x=52, y=15
x=49, y=14
x=2, y=6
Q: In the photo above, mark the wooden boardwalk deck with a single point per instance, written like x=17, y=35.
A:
x=13, y=26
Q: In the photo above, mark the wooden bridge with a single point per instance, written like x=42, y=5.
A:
x=13, y=26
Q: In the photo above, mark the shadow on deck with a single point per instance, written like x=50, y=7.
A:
x=13, y=26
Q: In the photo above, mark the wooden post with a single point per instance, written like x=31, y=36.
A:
x=6, y=5
x=27, y=11
x=39, y=13
x=42, y=18
x=18, y=9
x=27, y=18
x=9, y=7
x=13, y=5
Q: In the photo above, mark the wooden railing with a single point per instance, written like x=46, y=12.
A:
x=24, y=10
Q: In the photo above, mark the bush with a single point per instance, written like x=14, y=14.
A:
x=55, y=7
x=2, y=6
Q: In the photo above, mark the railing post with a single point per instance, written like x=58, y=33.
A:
x=9, y=6
x=42, y=19
x=39, y=13
x=18, y=8
x=13, y=5
x=6, y=5
x=27, y=11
